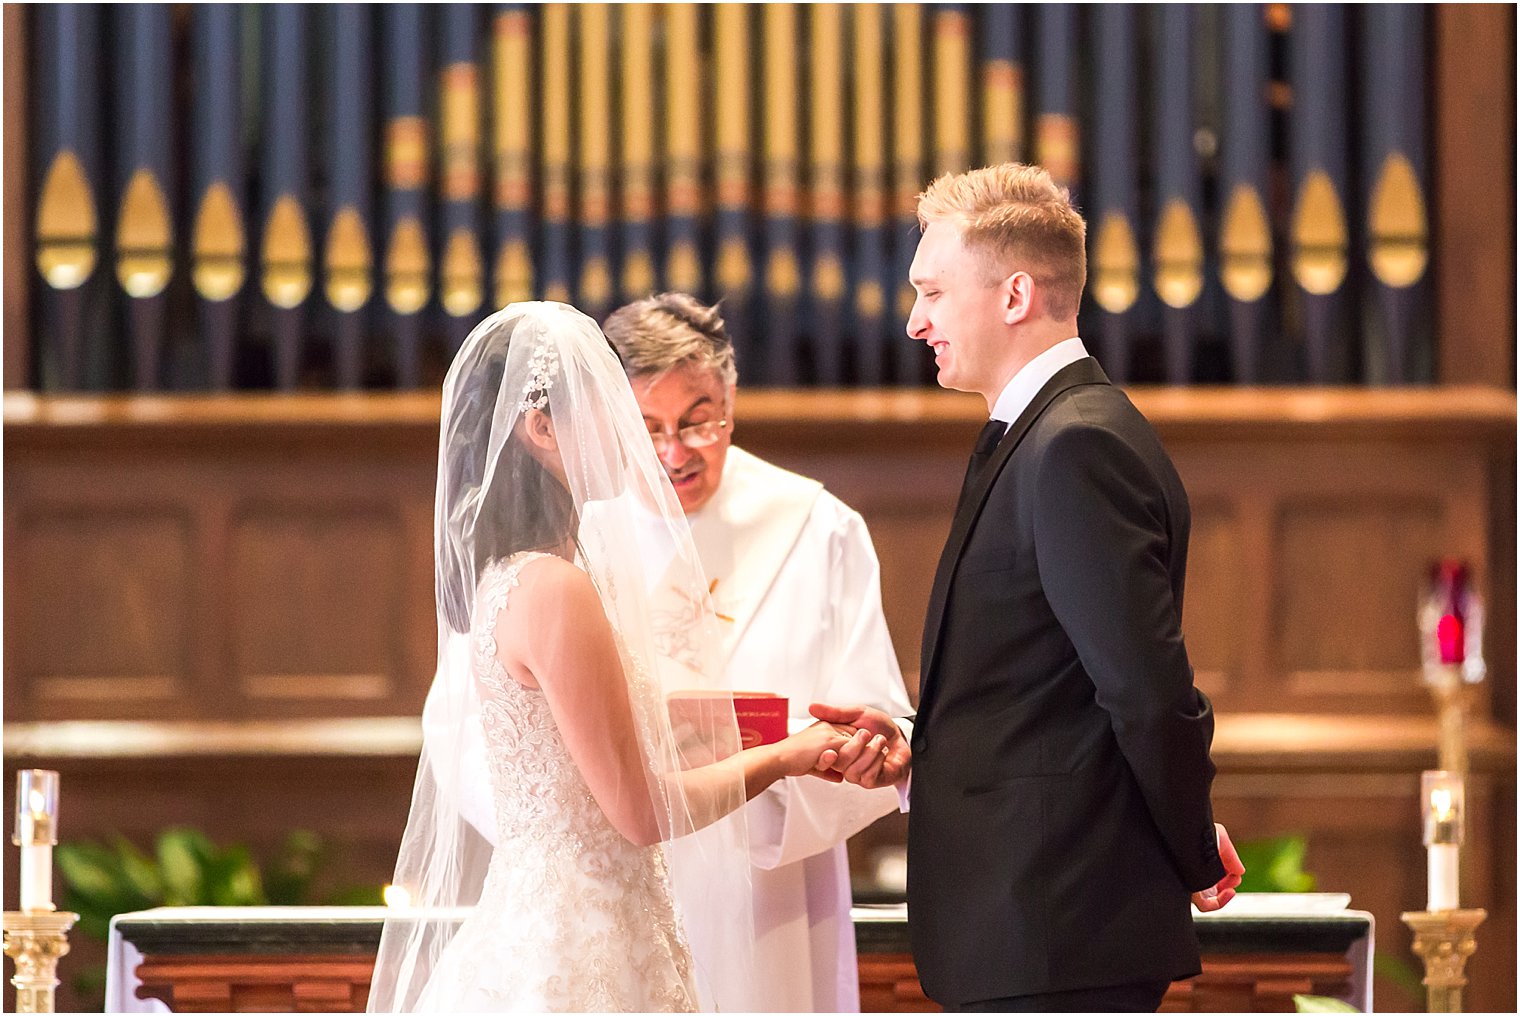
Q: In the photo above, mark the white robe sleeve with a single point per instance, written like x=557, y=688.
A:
x=855, y=665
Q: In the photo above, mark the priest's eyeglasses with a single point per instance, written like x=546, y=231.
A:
x=698, y=435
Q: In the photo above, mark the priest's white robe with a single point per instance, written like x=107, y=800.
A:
x=797, y=586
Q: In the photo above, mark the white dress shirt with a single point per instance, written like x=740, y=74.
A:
x=1034, y=375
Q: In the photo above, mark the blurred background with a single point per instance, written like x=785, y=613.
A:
x=242, y=242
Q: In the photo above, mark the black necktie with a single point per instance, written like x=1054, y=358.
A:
x=986, y=444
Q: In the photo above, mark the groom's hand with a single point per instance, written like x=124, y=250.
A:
x=1222, y=891
x=878, y=755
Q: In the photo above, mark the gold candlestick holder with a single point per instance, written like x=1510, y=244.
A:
x=1451, y=693
x=1443, y=940
x=35, y=939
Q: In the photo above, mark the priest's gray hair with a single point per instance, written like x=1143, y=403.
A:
x=669, y=330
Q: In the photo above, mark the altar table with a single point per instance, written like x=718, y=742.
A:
x=1257, y=953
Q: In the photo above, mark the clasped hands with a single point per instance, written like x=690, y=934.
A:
x=875, y=754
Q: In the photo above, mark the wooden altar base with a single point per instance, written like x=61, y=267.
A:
x=305, y=982
x=1250, y=982
x=1256, y=982
x=210, y=960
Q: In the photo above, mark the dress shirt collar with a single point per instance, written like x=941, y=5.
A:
x=1026, y=384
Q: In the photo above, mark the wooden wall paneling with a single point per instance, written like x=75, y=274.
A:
x=211, y=649
x=1354, y=823
x=1488, y=881
x=315, y=613
x=18, y=262
x=103, y=613
x=1315, y=516
x=1331, y=545
x=1500, y=964
x=421, y=629
x=1500, y=584
x=1356, y=803
x=306, y=573
x=1358, y=564
x=16, y=577
x=1223, y=561
x=908, y=546
x=1473, y=224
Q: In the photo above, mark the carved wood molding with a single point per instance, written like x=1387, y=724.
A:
x=1246, y=982
x=1243, y=742
x=1428, y=413
x=304, y=983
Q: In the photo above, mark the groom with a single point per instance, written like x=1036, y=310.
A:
x=1060, y=788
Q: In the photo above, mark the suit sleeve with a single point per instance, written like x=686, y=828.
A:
x=1103, y=552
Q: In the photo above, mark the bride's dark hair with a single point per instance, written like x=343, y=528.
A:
x=525, y=507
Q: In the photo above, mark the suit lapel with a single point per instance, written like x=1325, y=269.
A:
x=1083, y=372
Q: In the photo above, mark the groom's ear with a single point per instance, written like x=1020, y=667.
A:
x=1017, y=295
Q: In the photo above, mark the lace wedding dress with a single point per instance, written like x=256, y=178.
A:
x=572, y=916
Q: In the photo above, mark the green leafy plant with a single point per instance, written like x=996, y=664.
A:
x=1275, y=865
x=1401, y=973
x=185, y=869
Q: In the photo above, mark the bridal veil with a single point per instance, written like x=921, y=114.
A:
x=631, y=538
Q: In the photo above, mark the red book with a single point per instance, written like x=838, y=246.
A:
x=761, y=716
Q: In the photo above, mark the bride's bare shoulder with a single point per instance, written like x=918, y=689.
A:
x=548, y=604
x=548, y=581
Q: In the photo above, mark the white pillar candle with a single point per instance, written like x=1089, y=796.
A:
x=36, y=832
x=1443, y=806
x=1441, y=876
x=37, y=877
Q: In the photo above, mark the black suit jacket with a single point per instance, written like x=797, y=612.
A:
x=1060, y=815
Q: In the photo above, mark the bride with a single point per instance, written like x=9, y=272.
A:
x=619, y=879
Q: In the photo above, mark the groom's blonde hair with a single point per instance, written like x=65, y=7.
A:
x=1015, y=218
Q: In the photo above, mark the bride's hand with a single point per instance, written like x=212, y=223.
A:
x=813, y=750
